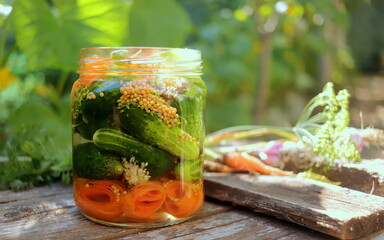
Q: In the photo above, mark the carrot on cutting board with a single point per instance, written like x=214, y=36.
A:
x=183, y=199
x=245, y=161
x=144, y=199
x=212, y=166
x=99, y=199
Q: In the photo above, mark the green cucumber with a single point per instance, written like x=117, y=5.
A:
x=149, y=128
x=199, y=87
x=191, y=112
x=189, y=170
x=93, y=163
x=190, y=105
x=106, y=94
x=159, y=161
x=87, y=128
x=98, y=113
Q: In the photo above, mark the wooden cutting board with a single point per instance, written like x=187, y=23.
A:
x=336, y=211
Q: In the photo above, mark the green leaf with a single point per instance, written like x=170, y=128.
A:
x=51, y=36
x=158, y=23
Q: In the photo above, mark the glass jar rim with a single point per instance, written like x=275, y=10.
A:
x=138, y=47
x=140, y=60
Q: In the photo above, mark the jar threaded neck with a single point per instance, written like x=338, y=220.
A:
x=139, y=61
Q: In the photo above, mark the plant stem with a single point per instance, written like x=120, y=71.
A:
x=239, y=148
x=253, y=131
x=211, y=155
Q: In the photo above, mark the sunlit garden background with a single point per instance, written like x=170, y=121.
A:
x=263, y=60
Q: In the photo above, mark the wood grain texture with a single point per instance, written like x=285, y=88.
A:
x=234, y=224
x=368, y=175
x=50, y=213
x=337, y=211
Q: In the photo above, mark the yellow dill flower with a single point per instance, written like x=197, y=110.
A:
x=6, y=77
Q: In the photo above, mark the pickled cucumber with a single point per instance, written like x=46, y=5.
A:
x=97, y=110
x=191, y=105
x=159, y=161
x=87, y=128
x=189, y=170
x=152, y=130
x=101, y=100
x=90, y=162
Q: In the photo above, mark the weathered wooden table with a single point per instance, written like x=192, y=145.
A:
x=50, y=213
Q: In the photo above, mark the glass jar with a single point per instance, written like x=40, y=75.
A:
x=138, y=135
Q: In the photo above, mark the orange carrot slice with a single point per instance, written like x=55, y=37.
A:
x=245, y=161
x=143, y=200
x=99, y=199
x=183, y=199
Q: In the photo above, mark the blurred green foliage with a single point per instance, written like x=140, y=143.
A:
x=263, y=59
x=266, y=56
x=39, y=49
x=164, y=23
x=50, y=36
x=34, y=134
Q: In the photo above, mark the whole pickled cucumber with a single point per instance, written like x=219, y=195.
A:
x=101, y=100
x=93, y=163
x=159, y=161
x=97, y=110
x=152, y=130
x=87, y=128
x=189, y=170
x=190, y=106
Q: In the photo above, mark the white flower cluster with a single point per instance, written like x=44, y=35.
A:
x=133, y=173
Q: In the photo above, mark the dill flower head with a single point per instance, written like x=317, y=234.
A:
x=133, y=173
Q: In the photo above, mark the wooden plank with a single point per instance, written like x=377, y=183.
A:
x=366, y=176
x=337, y=211
x=209, y=209
x=233, y=224
x=47, y=217
x=50, y=213
x=54, y=189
